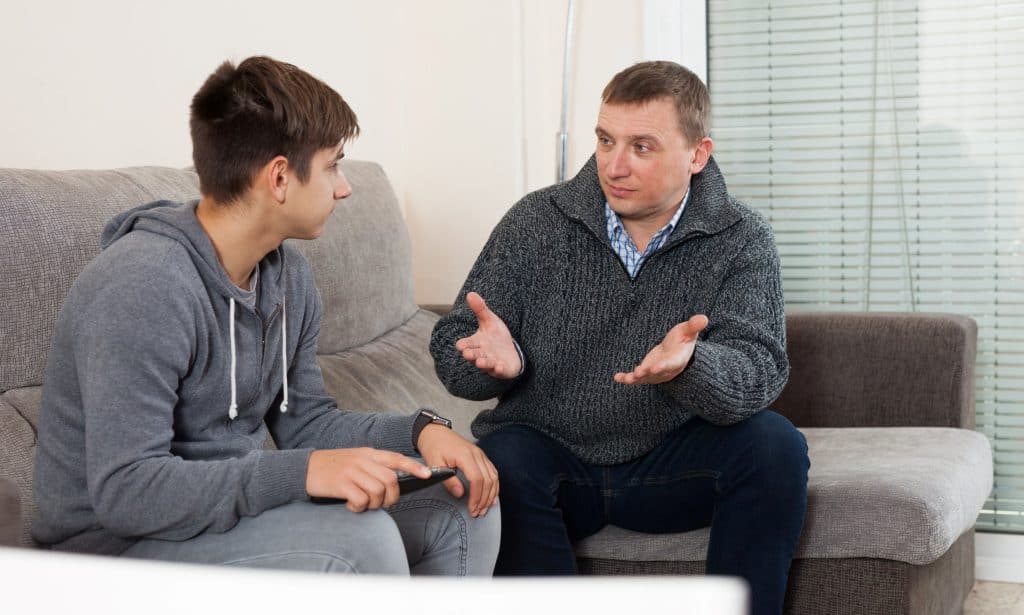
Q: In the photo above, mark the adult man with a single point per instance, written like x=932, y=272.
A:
x=633, y=331
x=195, y=330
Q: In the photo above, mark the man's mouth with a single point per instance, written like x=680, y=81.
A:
x=619, y=192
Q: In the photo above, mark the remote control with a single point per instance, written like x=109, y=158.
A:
x=409, y=482
x=406, y=483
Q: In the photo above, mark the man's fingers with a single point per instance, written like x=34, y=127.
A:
x=467, y=342
x=692, y=327
x=478, y=305
x=625, y=378
x=493, y=367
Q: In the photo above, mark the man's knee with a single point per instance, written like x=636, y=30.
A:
x=777, y=450
x=521, y=454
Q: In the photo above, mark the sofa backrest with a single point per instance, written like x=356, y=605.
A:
x=50, y=224
x=880, y=369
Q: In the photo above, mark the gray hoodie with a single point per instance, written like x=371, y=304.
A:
x=161, y=385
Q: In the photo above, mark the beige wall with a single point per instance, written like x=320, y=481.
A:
x=457, y=99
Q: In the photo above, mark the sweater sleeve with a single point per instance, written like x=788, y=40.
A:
x=132, y=349
x=313, y=419
x=739, y=365
x=498, y=276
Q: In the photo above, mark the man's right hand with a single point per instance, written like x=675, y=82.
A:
x=491, y=348
x=364, y=477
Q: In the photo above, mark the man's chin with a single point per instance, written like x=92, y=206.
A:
x=620, y=206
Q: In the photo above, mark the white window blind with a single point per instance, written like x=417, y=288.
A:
x=884, y=141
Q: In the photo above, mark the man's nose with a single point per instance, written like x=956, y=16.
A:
x=618, y=164
x=342, y=189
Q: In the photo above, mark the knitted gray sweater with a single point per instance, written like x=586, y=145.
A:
x=550, y=273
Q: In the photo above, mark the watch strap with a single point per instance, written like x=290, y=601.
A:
x=426, y=417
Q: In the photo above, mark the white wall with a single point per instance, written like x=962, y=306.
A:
x=457, y=99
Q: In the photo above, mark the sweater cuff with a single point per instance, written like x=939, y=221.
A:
x=281, y=477
x=394, y=433
x=699, y=390
x=522, y=359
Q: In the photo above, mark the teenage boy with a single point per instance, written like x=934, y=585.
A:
x=194, y=332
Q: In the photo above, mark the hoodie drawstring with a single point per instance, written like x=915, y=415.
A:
x=233, y=409
x=284, y=353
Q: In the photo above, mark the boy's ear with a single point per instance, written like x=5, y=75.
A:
x=274, y=176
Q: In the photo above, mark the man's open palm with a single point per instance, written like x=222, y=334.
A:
x=669, y=358
x=491, y=348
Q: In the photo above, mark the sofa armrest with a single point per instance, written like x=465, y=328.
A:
x=10, y=513
x=438, y=308
x=856, y=369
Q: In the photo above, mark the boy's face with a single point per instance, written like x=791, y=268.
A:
x=309, y=205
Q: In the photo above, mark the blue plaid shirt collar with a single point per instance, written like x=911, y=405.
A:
x=623, y=244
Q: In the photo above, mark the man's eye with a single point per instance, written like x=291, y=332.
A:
x=642, y=147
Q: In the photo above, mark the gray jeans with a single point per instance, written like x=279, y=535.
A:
x=427, y=532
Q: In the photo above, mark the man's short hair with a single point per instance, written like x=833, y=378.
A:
x=242, y=117
x=649, y=81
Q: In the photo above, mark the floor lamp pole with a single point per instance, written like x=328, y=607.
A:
x=563, y=132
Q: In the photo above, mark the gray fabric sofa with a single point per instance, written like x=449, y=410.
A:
x=886, y=401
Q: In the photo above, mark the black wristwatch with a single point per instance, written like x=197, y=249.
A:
x=427, y=417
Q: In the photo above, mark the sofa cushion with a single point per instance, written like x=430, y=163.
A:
x=19, y=414
x=897, y=493
x=396, y=373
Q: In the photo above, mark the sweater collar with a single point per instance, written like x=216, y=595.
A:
x=708, y=210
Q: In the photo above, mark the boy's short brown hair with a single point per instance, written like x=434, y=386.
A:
x=244, y=116
x=648, y=81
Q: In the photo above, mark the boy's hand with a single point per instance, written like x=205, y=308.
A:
x=441, y=446
x=365, y=477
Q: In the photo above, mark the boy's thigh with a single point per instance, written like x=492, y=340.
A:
x=296, y=536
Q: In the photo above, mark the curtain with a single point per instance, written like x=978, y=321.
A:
x=884, y=141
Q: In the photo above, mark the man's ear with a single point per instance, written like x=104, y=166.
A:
x=275, y=177
x=701, y=155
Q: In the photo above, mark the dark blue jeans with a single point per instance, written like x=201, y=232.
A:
x=748, y=481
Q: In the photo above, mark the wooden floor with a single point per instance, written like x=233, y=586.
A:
x=991, y=598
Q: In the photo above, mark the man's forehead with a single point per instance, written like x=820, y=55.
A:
x=649, y=118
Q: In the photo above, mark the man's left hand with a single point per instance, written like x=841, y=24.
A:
x=441, y=446
x=669, y=358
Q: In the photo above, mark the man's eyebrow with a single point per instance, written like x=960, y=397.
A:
x=632, y=138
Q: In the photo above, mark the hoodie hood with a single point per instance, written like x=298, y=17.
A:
x=178, y=221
